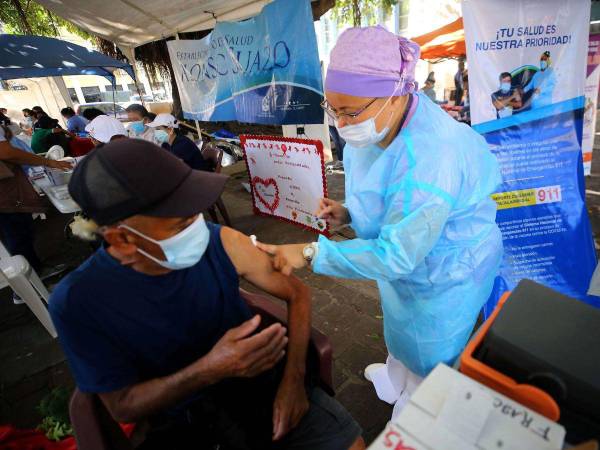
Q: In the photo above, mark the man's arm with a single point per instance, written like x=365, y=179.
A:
x=16, y=156
x=256, y=267
x=515, y=100
x=237, y=354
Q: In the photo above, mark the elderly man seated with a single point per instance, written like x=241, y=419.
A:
x=154, y=323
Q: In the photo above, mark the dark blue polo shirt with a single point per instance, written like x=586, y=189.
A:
x=185, y=149
x=119, y=327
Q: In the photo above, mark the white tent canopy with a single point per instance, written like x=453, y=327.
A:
x=131, y=23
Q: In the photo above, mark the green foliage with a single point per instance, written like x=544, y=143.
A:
x=360, y=12
x=29, y=17
x=55, y=410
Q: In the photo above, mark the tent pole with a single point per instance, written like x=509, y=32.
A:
x=195, y=121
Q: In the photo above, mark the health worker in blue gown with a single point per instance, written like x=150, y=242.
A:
x=543, y=83
x=418, y=186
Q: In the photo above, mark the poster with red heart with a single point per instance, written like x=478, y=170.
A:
x=287, y=178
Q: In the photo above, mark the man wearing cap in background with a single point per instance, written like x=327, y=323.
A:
x=168, y=135
x=428, y=89
x=140, y=118
x=154, y=323
x=104, y=129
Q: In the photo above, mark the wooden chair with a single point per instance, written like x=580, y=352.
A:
x=95, y=429
x=211, y=152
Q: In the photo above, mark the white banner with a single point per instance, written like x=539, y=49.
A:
x=592, y=84
x=514, y=37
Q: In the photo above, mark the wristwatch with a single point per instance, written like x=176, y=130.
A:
x=310, y=252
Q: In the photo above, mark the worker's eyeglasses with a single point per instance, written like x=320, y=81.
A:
x=331, y=112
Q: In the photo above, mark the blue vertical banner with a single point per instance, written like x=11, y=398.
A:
x=527, y=62
x=265, y=69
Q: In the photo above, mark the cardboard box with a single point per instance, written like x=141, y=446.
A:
x=450, y=411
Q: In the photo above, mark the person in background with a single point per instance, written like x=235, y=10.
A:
x=104, y=129
x=18, y=199
x=154, y=323
x=168, y=135
x=542, y=83
x=465, y=113
x=42, y=138
x=507, y=98
x=37, y=113
x=428, y=89
x=140, y=118
x=4, y=119
x=27, y=123
x=90, y=114
x=339, y=144
x=75, y=123
x=458, y=82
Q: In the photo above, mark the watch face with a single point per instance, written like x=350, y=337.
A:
x=308, y=252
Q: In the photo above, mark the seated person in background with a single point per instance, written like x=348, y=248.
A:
x=104, y=129
x=27, y=123
x=140, y=118
x=155, y=325
x=428, y=89
x=47, y=134
x=169, y=136
x=4, y=119
x=507, y=98
x=37, y=113
x=90, y=114
x=75, y=123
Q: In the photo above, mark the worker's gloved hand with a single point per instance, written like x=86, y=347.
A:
x=333, y=212
x=286, y=258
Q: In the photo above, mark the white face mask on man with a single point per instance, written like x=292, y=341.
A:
x=184, y=249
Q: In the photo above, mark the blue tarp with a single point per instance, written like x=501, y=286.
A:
x=37, y=56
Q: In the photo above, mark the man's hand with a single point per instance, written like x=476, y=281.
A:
x=291, y=404
x=238, y=355
x=333, y=212
x=286, y=258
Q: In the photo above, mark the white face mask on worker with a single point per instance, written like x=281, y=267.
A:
x=365, y=133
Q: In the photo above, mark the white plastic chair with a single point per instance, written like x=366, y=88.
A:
x=16, y=272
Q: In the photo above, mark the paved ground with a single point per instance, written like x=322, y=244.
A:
x=347, y=311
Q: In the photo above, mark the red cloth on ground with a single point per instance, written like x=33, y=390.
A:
x=13, y=439
x=80, y=146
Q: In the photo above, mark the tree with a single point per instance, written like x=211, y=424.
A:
x=356, y=11
x=29, y=17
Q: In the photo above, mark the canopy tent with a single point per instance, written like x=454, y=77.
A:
x=37, y=56
x=129, y=25
x=445, y=42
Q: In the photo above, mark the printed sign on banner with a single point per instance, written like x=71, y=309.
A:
x=263, y=70
x=287, y=178
x=526, y=78
x=592, y=84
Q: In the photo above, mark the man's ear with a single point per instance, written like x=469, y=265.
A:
x=117, y=239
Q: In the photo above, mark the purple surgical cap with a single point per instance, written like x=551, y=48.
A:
x=372, y=62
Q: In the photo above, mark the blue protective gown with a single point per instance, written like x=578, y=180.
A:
x=545, y=81
x=426, y=232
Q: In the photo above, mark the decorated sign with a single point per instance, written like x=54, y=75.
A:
x=287, y=178
x=263, y=70
x=528, y=59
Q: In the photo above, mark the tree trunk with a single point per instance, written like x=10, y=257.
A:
x=22, y=16
x=356, y=12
